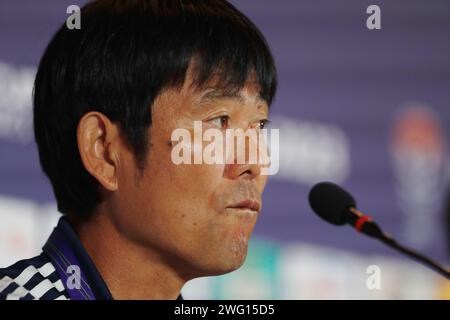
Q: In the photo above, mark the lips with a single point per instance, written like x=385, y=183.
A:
x=247, y=204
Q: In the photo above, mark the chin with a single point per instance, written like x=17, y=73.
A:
x=225, y=258
x=229, y=264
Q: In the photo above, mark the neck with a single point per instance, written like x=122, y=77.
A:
x=130, y=270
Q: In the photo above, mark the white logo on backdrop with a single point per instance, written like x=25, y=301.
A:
x=16, y=86
x=312, y=152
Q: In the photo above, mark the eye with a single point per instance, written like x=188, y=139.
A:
x=221, y=121
x=262, y=124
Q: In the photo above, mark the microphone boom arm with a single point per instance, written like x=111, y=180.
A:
x=364, y=224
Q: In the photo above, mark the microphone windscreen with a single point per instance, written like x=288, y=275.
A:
x=331, y=202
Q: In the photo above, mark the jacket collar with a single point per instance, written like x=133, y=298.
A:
x=77, y=271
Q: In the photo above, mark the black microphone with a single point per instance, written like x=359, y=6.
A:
x=336, y=206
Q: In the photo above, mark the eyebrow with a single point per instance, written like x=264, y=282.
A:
x=218, y=94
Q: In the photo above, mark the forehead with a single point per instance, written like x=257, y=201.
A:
x=219, y=86
x=192, y=94
x=207, y=95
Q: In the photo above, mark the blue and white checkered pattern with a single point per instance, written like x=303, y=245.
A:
x=31, y=279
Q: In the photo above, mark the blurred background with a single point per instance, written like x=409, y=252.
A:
x=367, y=109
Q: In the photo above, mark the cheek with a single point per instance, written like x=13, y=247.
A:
x=261, y=182
x=197, y=184
x=184, y=194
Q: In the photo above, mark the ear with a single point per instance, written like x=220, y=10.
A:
x=98, y=144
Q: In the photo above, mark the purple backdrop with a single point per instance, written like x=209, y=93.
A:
x=368, y=109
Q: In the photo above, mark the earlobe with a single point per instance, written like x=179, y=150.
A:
x=97, y=144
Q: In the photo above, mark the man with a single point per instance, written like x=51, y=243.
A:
x=107, y=98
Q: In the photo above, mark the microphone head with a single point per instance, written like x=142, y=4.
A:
x=331, y=202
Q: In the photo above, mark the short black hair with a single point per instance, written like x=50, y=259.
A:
x=125, y=54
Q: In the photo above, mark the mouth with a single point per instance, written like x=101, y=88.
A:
x=247, y=204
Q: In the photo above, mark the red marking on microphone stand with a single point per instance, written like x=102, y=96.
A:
x=360, y=222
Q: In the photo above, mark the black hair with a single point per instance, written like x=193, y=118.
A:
x=125, y=54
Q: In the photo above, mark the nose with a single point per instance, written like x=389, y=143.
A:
x=243, y=162
x=244, y=171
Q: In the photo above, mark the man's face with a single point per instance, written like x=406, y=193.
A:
x=185, y=212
